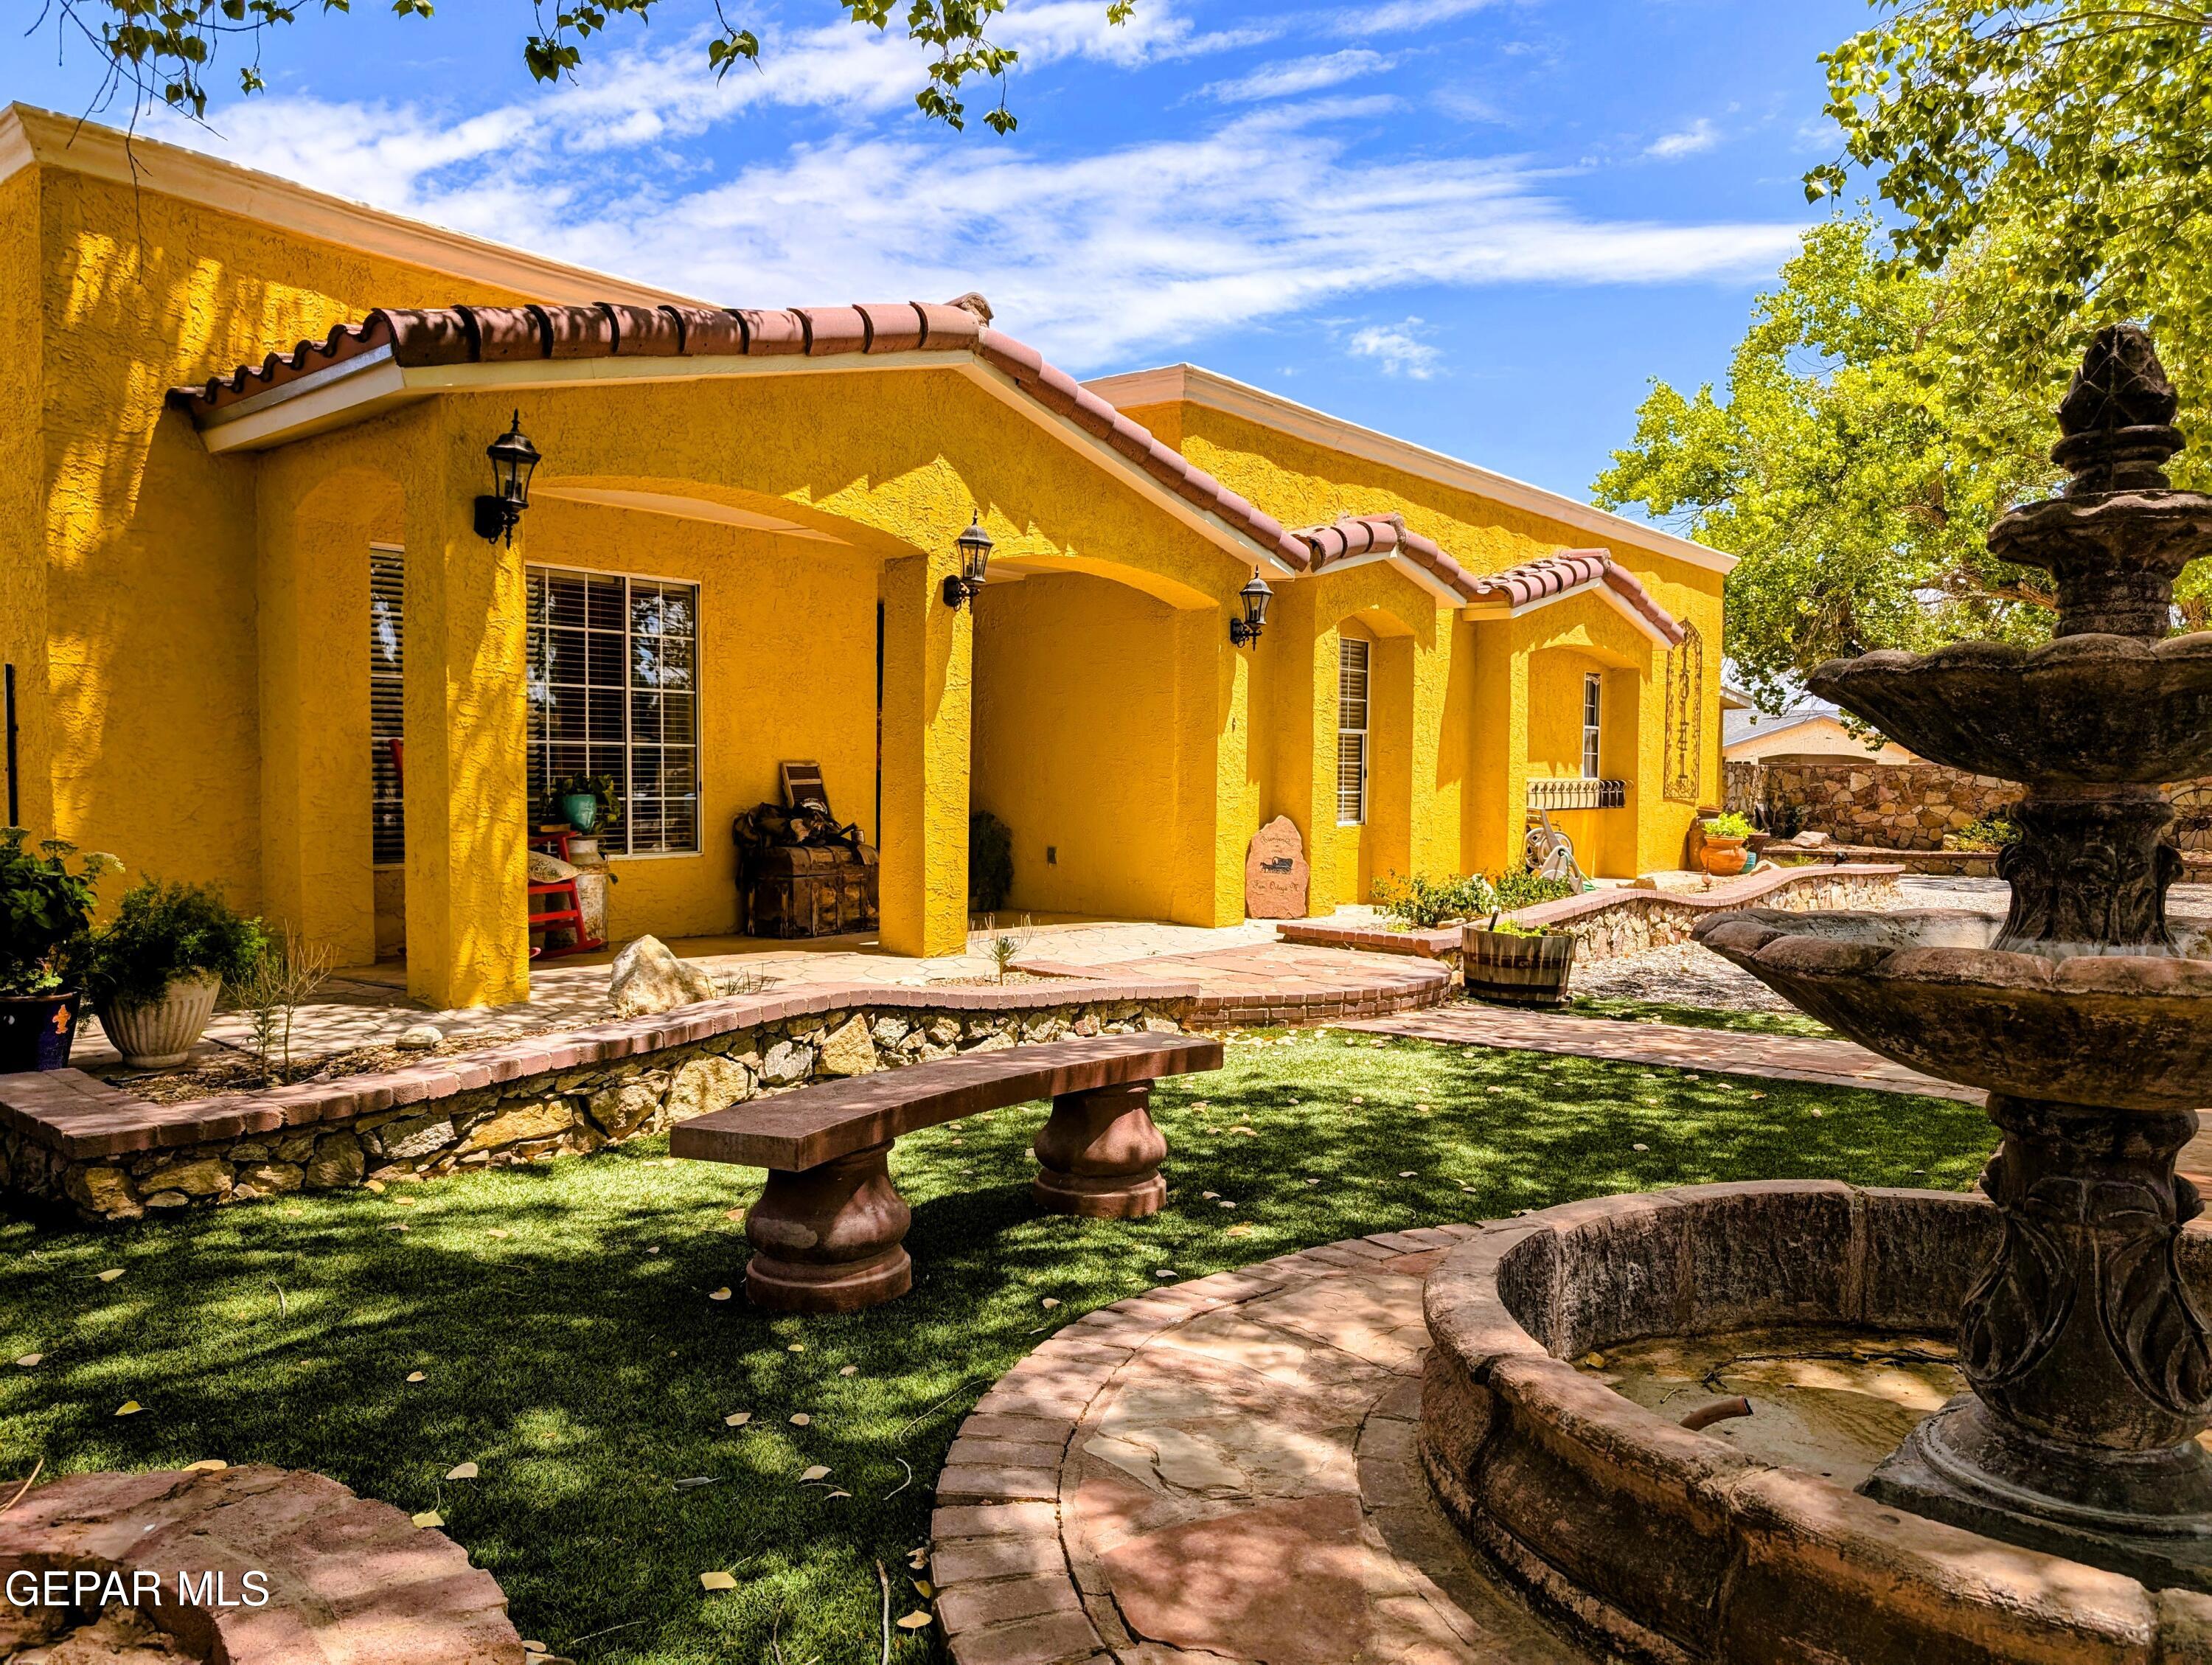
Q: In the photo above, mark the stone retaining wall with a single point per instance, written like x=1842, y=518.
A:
x=1897, y=806
x=1608, y=922
x=65, y=1137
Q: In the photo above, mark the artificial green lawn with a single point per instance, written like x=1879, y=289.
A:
x=585, y=1373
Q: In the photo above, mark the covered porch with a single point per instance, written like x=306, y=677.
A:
x=735, y=553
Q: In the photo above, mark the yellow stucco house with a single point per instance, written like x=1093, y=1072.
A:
x=249, y=424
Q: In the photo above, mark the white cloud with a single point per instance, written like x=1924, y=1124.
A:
x=1300, y=74
x=1402, y=16
x=1699, y=135
x=1097, y=258
x=1398, y=349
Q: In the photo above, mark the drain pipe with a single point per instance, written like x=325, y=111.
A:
x=14, y=797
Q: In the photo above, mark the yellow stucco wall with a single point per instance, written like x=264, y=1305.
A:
x=23, y=553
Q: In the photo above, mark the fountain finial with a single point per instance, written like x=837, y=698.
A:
x=2117, y=417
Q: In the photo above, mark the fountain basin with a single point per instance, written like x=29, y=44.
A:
x=2083, y=709
x=2087, y=1026
x=1666, y=1545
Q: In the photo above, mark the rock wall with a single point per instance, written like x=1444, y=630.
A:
x=1637, y=919
x=538, y=1118
x=1891, y=806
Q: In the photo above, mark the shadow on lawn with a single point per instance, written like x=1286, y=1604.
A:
x=579, y=1360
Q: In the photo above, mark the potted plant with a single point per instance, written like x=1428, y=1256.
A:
x=589, y=803
x=44, y=911
x=155, y=973
x=1722, y=854
x=1516, y=964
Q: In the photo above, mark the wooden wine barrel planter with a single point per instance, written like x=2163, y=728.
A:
x=1516, y=970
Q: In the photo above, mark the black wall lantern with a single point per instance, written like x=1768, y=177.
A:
x=1255, y=596
x=975, y=547
x=513, y=458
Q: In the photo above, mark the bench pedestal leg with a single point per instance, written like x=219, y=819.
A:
x=1100, y=1155
x=829, y=1239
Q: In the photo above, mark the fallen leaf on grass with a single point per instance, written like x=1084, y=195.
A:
x=1639, y=1147
x=1165, y=1272
x=736, y=1418
x=1759, y=1095
x=416, y=1376
x=30, y=1359
x=428, y=1518
x=376, y=1185
x=924, y=1588
x=1225, y=1203
x=721, y=1294
x=1816, y=1115
x=796, y=1347
x=800, y=1420
x=1209, y=1196
x=402, y=1202
x=128, y=1407
x=717, y=1581
x=206, y=1465
x=813, y=1472
x=1238, y=1232
x=495, y=1232
x=733, y=1214
x=1048, y=1303
x=1407, y=1173
x=915, y=1621
x=111, y=1274
x=462, y=1471
x=399, y=1226
x=830, y=1497
x=1249, y=1132
x=850, y=1369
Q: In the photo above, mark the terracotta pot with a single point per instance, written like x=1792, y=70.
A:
x=158, y=1034
x=1516, y=970
x=37, y=1030
x=1723, y=857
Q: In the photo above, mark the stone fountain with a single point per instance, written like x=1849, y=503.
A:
x=2062, y=1507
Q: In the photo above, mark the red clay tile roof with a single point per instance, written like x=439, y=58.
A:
x=1354, y=535
x=491, y=335
x=1574, y=569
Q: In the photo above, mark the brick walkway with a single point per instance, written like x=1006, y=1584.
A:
x=1222, y=1470
x=1281, y=983
x=1718, y=1051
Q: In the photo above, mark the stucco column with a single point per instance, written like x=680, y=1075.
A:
x=315, y=521
x=1497, y=773
x=1215, y=797
x=468, y=933
x=928, y=688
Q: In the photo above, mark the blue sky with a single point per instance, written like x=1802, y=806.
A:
x=1483, y=225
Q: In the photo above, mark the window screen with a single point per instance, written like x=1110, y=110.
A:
x=613, y=690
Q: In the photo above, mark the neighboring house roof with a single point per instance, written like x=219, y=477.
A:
x=392, y=342
x=1740, y=727
x=1734, y=699
x=1352, y=539
x=1175, y=383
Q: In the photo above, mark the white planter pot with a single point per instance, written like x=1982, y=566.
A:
x=159, y=1035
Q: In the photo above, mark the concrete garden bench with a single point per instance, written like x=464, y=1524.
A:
x=828, y=1231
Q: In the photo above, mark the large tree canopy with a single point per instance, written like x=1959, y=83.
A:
x=2044, y=167
x=163, y=51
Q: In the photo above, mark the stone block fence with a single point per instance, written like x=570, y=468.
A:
x=66, y=1137
x=1622, y=921
x=1856, y=801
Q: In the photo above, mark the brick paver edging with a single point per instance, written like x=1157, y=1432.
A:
x=350, y=1581
x=1010, y=1590
x=1444, y=944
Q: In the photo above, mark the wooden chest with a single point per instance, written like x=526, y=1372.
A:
x=807, y=891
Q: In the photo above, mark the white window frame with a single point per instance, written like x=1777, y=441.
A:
x=629, y=743
x=1593, y=722
x=1354, y=671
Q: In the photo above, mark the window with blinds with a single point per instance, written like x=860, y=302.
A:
x=1352, y=732
x=1593, y=717
x=388, y=604
x=613, y=690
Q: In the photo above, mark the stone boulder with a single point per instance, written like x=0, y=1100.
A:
x=649, y=978
x=1275, y=873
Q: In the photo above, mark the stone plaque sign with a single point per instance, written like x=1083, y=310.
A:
x=1275, y=873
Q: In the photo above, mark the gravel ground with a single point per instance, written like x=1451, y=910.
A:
x=1686, y=975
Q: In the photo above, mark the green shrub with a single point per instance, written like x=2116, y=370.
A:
x=1523, y=889
x=1506, y=927
x=44, y=911
x=1422, y=903
x=1991, y=833
x=1730, y=825
x=166, y=931
x=990, y=862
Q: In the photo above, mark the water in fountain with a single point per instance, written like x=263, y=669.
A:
x=2088, y=1014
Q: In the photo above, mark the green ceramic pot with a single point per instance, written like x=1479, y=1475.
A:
x=582, y=809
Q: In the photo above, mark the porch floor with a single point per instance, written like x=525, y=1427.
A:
x=1239, y=967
